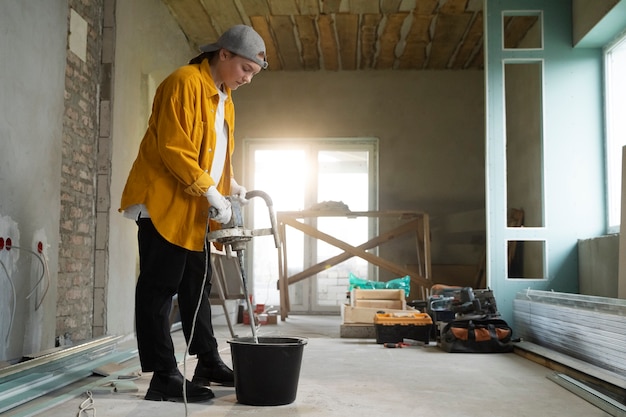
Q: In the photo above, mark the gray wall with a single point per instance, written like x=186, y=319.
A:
x=430, y=125
x=32, y=71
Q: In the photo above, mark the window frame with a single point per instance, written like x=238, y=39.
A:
x=613, y=145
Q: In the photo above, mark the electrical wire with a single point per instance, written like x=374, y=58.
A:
x=44, y=274
x=6, y=271
x=207, y=250
x=87, y=405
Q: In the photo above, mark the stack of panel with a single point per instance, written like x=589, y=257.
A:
x=589, y=328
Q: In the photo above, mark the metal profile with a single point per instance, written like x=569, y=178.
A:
x=589, y=328
x=603, y=402
x=35, y=378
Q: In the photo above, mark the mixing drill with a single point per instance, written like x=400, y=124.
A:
x=234, y=236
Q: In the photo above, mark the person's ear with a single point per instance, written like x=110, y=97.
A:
x=224, y=54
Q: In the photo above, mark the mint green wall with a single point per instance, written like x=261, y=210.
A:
x=572, y=168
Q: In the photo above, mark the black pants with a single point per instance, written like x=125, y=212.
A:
x=165, y=270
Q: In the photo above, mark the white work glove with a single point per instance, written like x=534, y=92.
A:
x=219, y=203
x=239, y=191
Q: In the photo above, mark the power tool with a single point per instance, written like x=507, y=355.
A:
x=234, y=236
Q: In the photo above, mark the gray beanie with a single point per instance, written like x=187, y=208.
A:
x=243, y=41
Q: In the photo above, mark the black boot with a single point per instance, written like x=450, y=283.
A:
x=168, y=386
x=211, y=368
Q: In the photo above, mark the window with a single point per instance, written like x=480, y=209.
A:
x=297, y=175
x=615, y=85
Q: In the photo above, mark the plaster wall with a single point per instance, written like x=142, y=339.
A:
x=430, y=126
x=32, y=74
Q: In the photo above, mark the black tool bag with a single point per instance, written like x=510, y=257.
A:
x=477, y=335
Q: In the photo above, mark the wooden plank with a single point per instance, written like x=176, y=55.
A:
x=286, y=42
x=363, y=6
x=449, y=30
x=426, y=7
x=308, y=41
x=259, y=23
x=255, y=7
x=398, y=214
x=282, y=7
x=390, y=6
x=224, y=14
x=413, y=221
x=331, y=6
x=194, y=21
x=369, y=34
x=309, y=7
x=408, y=5
x=370, y=244
x=328, y=42
x=453, y=7
x=417, y=40
x=472, y=42
x=389, y=39
x=371, y=258
x=347, y=33
x=516, y=28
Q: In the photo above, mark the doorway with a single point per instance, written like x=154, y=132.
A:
x=303, y=174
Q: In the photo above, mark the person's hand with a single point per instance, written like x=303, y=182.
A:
x=239, y=191
x=220, y=204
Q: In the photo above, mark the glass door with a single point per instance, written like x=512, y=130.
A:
x=303, y=175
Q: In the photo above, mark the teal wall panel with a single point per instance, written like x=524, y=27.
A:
x=572, y=167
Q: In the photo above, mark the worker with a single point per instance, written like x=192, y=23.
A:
x=183, y=167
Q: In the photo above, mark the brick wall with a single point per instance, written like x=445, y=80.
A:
x=78, y=180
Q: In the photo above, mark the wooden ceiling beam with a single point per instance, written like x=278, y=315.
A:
x=255, y=7
x=471, y=43
x=516, y=28
x=259, y=23
x=453, y=7
x=363, y=6
x=282, y=7
x=426, y=7
x=282, y=27
x=353, y=34
x=369, y=34
x=309, y=7
x=416, y=43
x=389, y=39
x=223, y=14
x=390, y=6
x=330, y=6
x=449, y=31
x=193, y=21
x=328, y=42
x=347, y=26
x=308, y=41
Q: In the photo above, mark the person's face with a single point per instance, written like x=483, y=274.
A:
x=236, y=70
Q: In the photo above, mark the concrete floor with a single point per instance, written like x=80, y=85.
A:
x=347, y=377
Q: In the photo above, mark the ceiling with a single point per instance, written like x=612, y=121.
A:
x=336, y=35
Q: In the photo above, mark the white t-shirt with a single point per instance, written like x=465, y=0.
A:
x=221, y=144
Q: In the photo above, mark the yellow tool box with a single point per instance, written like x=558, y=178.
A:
x=395, y=327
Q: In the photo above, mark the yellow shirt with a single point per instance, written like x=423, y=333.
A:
x=171, y=172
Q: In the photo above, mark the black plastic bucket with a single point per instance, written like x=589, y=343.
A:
x=267, y=372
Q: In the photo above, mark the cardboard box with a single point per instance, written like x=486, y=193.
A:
x=364, y=315
x=386, y=294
